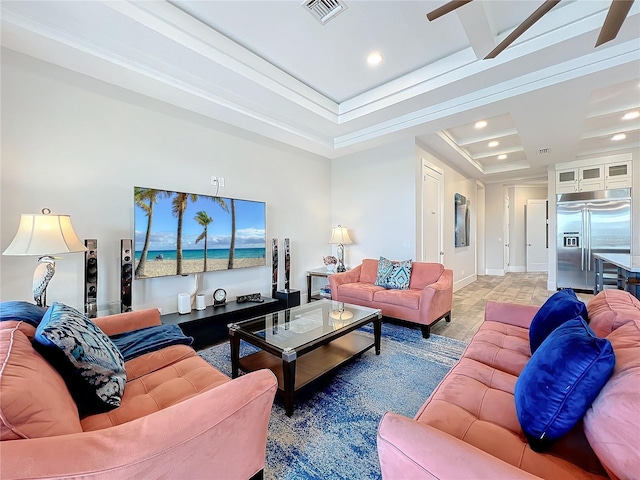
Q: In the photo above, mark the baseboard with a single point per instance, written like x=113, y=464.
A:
x=464, y=282
x=495, y=272
x=517, y=269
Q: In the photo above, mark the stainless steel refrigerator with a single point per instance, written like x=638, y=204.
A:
x=589, y=223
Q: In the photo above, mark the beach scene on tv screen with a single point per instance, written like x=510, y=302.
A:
x=178, y=233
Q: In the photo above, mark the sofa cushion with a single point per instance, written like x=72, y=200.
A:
x=385, y=267
x=359, y=291
x=559, y=308
x=560, y=382
x=402, y=298
x=610, y=309
x=89, y=363
x=424, y=274
x=369, y=270
x=35, y=401
x=613, y=422
x=160, y=389
x=21, y=311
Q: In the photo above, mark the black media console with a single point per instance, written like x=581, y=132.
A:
x=209, y=326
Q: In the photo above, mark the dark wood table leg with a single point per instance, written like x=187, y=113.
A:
x=308, y=288
x=289, y=380
x=235, y=353
x=377, y=333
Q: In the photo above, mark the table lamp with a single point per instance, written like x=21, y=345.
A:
x=340, y=236
x=45, y=235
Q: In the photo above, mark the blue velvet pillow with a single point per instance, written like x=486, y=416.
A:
x=21, y=311
x=89, y=363
x=560, y=381
x=560, y=307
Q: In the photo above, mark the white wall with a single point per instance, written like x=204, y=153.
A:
x=71, y=144
x=373, y=195
x=518, y=196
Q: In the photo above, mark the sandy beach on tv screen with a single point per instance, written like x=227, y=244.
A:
x=159, y=268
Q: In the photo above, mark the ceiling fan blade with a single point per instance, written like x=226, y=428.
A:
x=612, y=24
x=523, y=27
x=446, y=8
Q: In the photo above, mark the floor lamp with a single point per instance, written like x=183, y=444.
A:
x=340, y=237
x=44, y=235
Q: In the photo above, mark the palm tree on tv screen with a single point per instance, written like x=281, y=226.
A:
x=204, y=220
x=232, y=245
x=146, y=198
x=180, y=202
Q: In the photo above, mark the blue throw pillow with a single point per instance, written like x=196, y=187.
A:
x=21, y=311
x=90, y=364
x=399, y=276
x=560, y=307
x=560, y=381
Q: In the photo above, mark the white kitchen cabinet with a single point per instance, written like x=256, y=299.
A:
x=617, y=175
x=591, y=178
x=567, y=180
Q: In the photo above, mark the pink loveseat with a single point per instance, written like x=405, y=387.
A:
x=427, y=300
x=179, y=417
x=468, y=428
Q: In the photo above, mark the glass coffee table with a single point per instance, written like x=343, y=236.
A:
x=303, y=343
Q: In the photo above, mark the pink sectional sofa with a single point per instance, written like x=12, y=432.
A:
x=179, y=417
x=468, y=428
x=428, y=299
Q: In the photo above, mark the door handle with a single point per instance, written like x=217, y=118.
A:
x=589, y=240
x=528, y=244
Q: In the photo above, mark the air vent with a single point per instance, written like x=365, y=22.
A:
x=543, y=151
x=324, y=10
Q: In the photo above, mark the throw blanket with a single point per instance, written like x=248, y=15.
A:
x=138, y=342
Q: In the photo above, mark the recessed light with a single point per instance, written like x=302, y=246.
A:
x=502, y=157
x=631, y=115
x=618, y=136
x=374, y=58
x=493, y=143
x=481, y=124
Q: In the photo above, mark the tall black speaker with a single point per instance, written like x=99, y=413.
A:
x=126, y=274
x=91, y=278
x=274, y=267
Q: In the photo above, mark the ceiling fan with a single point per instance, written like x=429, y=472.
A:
x=612, y=24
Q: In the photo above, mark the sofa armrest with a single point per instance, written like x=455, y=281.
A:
x=129, y=321
x=436, y=299
x=510, y=313
x=410, y=449
x=350, y=276
x=220, y=433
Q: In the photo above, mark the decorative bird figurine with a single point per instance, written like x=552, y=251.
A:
x=41, y=278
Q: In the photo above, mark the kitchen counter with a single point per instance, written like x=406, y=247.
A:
x=628, y=267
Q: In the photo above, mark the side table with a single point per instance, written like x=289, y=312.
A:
x=316, y=272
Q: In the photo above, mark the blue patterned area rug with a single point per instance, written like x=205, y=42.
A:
x=332, y=433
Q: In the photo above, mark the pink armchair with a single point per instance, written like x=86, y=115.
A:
x=428, y=299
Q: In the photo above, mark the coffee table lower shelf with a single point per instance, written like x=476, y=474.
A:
x=311, y=366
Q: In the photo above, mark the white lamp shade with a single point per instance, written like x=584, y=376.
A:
x=44, y=235
x=340, y=235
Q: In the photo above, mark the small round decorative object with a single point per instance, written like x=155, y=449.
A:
x=219, y=297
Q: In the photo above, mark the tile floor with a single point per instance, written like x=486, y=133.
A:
x=469, y=302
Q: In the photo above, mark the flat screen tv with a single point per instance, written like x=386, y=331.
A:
x=178, y=233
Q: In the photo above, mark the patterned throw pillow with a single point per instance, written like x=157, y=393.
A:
x=385, y=267
x=400, y=276
x=88, y=361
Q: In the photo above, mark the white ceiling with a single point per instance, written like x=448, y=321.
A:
x=271, y=68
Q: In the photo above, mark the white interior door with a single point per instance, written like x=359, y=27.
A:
x=432, y=204
x=536, y=225
x=506, y=234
